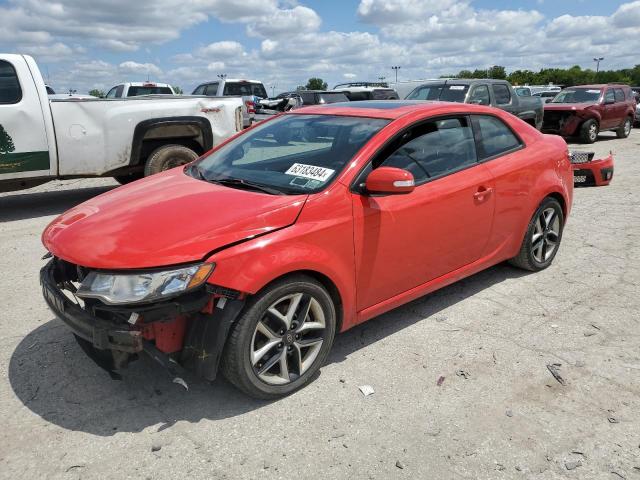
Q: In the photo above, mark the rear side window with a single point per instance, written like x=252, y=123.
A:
x=137, y=91
x=433, y=149
x=496, y=138
x=10, y=91
x=502, y=94
x=308, y=98
x=357, y=96
x=619, y=95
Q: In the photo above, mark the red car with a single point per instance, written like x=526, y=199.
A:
x=586, y=110
x=254, y=256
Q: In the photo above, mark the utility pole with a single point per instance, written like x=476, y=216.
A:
x=598, y=60
x=381, y=78
x=396, y=68
x=222, y=76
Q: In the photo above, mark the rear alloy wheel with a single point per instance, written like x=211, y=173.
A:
x=589, y=131
x=542, y=240
x=281, y=340
x=625, y=129
x=168, y=156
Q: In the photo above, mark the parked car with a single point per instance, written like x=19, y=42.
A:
x=497, y=93
x=253, y=257
x=315, y=97
x=546, y=96
x=43, y=139
x=586, y=110
x=136, y=89
x=590, y=172
x=249, y=90
x=522, y=91
x=637, y=119
x=358, y=91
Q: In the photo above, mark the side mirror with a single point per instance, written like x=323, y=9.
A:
x=390, y=181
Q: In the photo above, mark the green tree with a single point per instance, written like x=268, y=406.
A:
x=497, y=72
x=316, y=84
x=178, y=90
x=6, y=142
x=97, y=93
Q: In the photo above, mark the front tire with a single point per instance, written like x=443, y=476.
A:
x=281, y=339
x=589, y=131
x=168, y=156
x=625, y=129
x=542, y=240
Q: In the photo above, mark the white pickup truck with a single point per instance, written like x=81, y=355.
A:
x=125, y=138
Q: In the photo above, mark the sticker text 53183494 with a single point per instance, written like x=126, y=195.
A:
x=310, y=171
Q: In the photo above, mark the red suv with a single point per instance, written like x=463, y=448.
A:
x=586, y=110
x=254, y=256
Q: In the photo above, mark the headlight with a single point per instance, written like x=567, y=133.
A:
x=117, y=288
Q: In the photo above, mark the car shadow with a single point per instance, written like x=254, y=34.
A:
x=52, y=377
x=601, y=138
x=22, y=206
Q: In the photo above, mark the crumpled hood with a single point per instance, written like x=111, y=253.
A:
x=579, y=107
x=166, y=219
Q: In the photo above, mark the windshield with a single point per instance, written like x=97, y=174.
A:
x=293, y=154
x=244, y=89
x=578, y=95
x=137, y=91
x=442, y=92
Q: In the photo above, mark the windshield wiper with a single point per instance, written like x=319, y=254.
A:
x=239, y=182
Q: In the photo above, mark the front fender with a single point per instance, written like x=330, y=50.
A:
x=321, y=246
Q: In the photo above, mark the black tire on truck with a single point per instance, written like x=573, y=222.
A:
x=168, y=156
x=589, y=131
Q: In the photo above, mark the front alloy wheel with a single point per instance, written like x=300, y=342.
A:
x=281, y=339
x=288, y=339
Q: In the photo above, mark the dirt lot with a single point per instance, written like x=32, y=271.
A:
x=498, y=413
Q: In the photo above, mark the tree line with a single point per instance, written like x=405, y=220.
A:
x=559, y=76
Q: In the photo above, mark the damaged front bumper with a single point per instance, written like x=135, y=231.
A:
x=189, y=330
x=561, y=123
x=588, y=172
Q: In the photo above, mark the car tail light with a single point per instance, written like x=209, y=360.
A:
x=251, y=106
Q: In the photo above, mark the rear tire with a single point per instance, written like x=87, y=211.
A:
x=168, y=156
x=625, y=129
x=542, y=239
x=268, y=358
x=589, y=131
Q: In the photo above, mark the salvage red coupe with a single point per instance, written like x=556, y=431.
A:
x=254, y=256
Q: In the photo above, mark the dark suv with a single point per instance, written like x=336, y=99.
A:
x=584, y=111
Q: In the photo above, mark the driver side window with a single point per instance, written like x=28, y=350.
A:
x=112, y=93
x=434, y=149
x=610, y=96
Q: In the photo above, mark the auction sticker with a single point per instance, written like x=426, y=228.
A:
x=310, y=171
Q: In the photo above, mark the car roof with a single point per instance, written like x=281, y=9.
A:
x=391, y=109
x=462, y=81
x=146, y=84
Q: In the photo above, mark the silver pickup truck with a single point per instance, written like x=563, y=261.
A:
x=482, y=91
x=43, y=139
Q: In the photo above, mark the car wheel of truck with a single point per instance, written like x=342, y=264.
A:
x=589, y=131
x=281, y=339
x=625, y=129
x=168, y=156
x=542, y=240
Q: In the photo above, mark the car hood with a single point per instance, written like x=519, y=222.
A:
x=166, y=219
x=568, y=106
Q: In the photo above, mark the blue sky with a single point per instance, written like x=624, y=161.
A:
x=84, y=44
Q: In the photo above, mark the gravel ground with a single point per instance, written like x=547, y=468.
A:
x=497, y=411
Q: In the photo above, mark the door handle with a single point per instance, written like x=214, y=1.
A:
x=482, y=192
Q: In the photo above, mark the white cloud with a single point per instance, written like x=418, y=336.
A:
x=216, y=66
x=136, y=68
x=285, y=22
x=224, y=49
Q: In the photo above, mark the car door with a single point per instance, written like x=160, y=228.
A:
x=502, y=97
x=403, y=241
x=609, y=110
x=24, y=147
x=513, y=171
